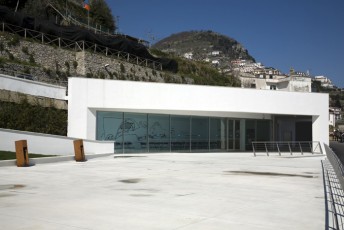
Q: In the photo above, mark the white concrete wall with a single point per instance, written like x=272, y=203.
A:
x=50, y=144
x=32, y=87
x=86, y=96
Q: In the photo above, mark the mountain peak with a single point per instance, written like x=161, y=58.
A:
x=202, y=44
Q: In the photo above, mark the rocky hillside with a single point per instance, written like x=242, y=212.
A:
x=204, y=45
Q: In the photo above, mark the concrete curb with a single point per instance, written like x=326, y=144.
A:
x=46, y=160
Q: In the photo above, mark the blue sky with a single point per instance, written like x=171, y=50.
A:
x=303, y=34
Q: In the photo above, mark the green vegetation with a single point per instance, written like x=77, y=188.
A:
x=25, y=50
x=75, y=64
x=201, y=72
x=6, y=155
x=32, y=118
x=204, y=74
x=122, y=68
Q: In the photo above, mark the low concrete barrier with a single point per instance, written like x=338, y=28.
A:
x=51, y=144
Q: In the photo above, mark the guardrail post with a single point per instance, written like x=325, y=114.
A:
x=311, y=146
x=279, y=152
x=266, y=149
x=3, y=26
x=254, y=150
x=300, y=148
x=25, y=33
x=291, y=153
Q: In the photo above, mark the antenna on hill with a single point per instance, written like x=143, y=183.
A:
x=151, y=37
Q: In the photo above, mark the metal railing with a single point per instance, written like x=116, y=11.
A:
x=286, y=147
x=333, y=174
x=336, y=164
x=64, y=43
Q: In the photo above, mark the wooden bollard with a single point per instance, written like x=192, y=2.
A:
x=79, y=150
x=22, y=153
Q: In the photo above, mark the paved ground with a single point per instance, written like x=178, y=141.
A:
x=166, y=191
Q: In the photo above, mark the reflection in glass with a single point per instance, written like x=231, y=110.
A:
x=237, y=134
x=134, y=129
x=250, y=133
x=109, y=128
x=231, y=135
x=159, y=133
x=217, y=134
x=135, y=132
x=180, y=133
x=200, y=133
x=263, y=130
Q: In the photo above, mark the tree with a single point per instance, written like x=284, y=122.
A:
x=13, y=3
x=35, y=8
x=101, y=14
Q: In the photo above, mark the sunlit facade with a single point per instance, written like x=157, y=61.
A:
x=146, y=117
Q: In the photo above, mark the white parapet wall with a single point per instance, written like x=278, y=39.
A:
x=30, y=87
x=51, y=144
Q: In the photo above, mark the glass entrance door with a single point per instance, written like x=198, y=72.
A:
x=233, y=135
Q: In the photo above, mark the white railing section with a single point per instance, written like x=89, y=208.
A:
x=333, y=176
x=290, y=147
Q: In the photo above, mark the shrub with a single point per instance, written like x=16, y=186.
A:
x=14, y=41
x=75, y=64
x=67, y=65
x=10, y=55
x=27, y=70
x=122, y=68
x=31, y=59
x=25, y=50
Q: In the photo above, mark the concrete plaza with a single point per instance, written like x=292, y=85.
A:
x=166, y=191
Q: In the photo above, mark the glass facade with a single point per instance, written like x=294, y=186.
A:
x=158, y=133
x=218, y=134
x=180, y=133
x=138, y=132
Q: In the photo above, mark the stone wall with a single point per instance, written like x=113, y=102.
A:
x=50, y=64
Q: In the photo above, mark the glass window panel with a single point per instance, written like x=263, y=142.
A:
x=237, y=134
x=109, y=127
x=263, y=130
x=231, y=135
x=250, y=133
x=159, y=133
x=134, y=128
x=218, y=134
x=200, y=133
x=180, y=133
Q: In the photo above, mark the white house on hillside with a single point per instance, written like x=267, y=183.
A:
x=325, y=81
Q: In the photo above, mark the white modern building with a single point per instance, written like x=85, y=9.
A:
x=160, y=117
